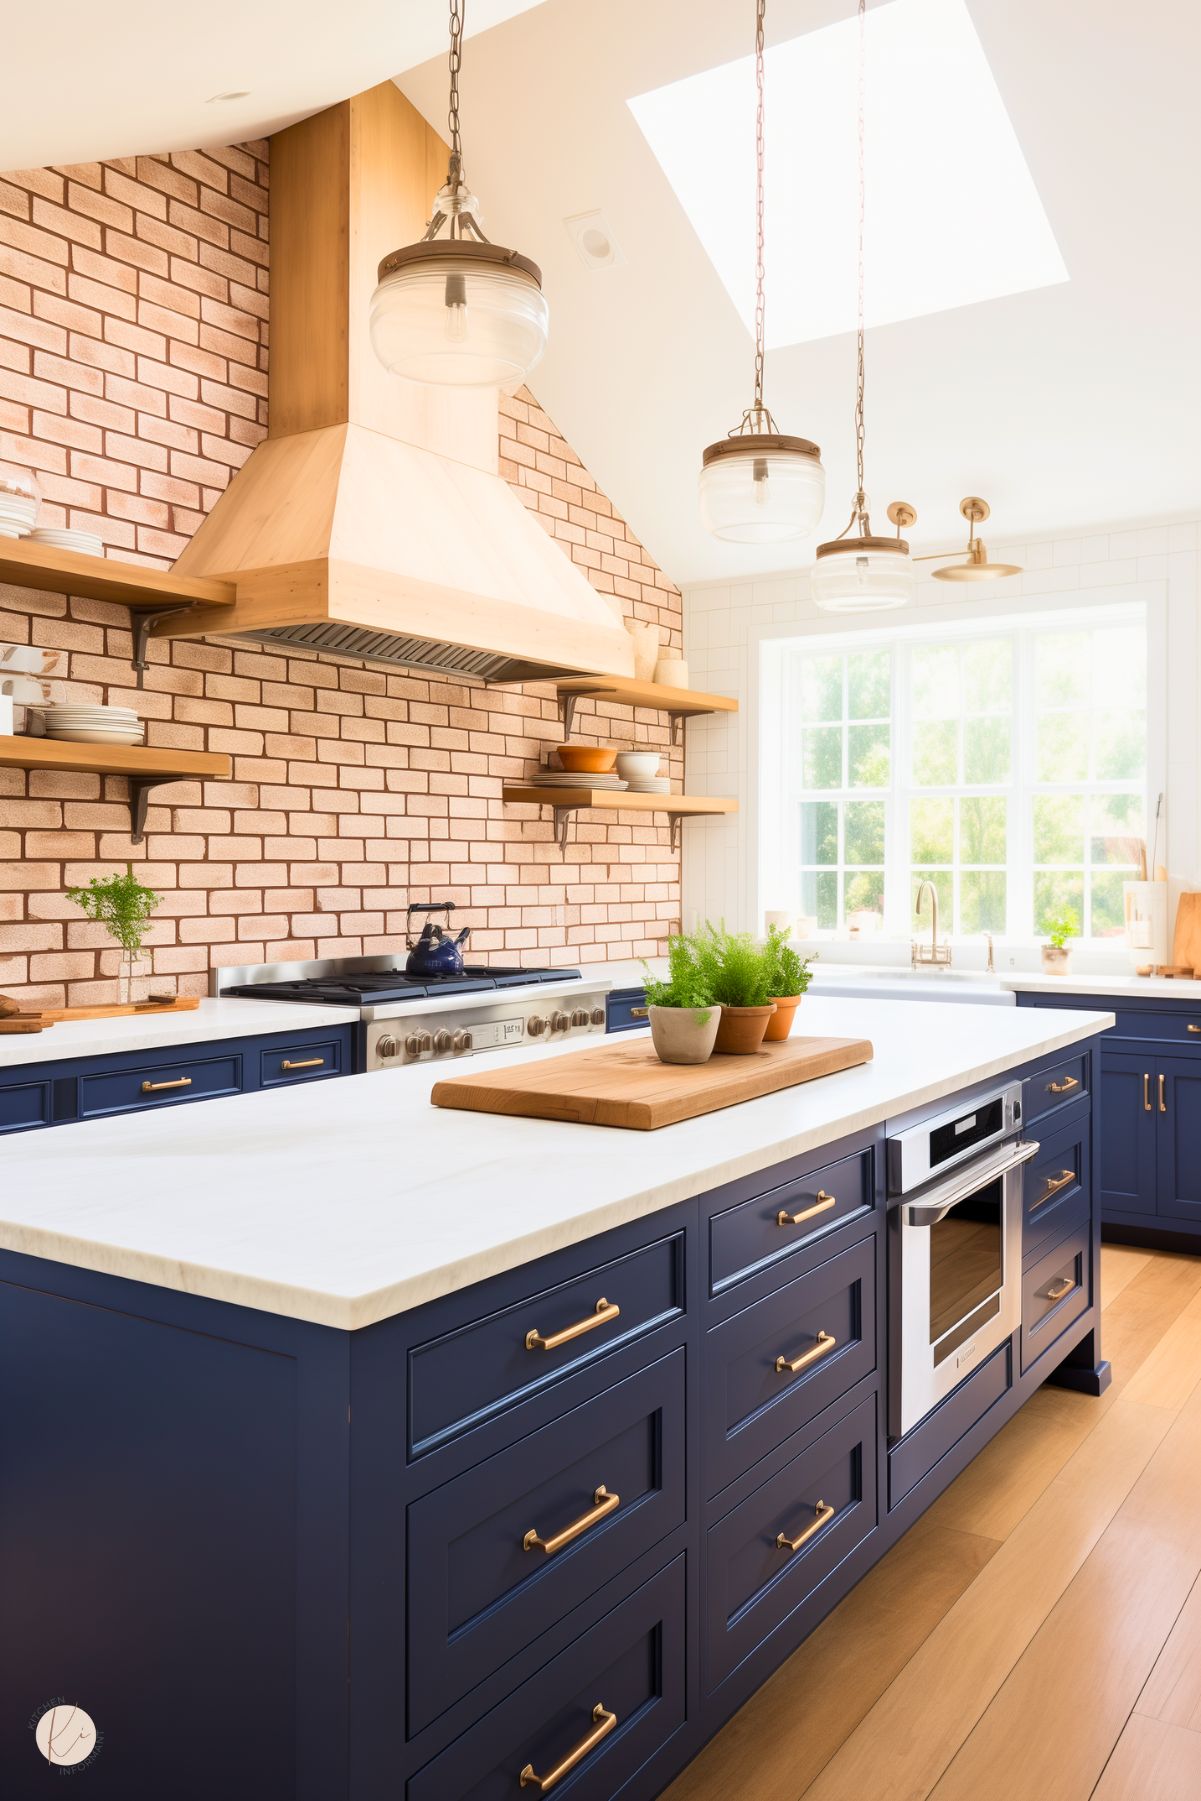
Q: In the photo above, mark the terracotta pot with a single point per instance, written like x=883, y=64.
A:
x=1056, y=962
x=780, y=1023
x=684, y=1034
x=741, y=1030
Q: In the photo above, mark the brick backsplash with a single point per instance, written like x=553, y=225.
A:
x=133, y=378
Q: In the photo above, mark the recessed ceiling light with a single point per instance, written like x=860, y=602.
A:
x=590, y=234
x=234, y=94
x=953, y=215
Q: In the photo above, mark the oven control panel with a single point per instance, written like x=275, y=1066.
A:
x=431, y=1037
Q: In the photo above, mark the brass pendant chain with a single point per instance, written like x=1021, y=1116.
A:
x=760, y=303
x=860, y=496
x=456, y=63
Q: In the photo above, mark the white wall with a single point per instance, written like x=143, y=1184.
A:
x=725, y=625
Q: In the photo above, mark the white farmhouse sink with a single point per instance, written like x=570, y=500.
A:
x=867, y=982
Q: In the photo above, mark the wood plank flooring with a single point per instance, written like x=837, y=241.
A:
x=1038, y=1633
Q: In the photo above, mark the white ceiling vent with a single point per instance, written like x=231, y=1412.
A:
x=590, y=234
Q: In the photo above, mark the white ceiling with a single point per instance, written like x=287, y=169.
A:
x=1070, y=405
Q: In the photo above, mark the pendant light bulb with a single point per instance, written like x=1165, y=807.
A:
x=455, y=310
x=757, y=484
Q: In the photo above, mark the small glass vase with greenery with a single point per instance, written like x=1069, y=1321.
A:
x=122, y=905
x=788, y=976
x=738, y=973
x=1059, y=928
x=680, y=1006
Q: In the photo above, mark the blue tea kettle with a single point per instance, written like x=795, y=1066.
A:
x=435, y=953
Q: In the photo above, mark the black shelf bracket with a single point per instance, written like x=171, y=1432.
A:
x=143, y=624
x=139, y=798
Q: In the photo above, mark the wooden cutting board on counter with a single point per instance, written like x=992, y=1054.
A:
x=626, y=1085
x=1186, y=950
x=21, y=1016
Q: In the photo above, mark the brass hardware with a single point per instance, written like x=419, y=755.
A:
x=1196, y=1030
x=822, y=1515
x=601, y=1314
x=603, y=1503
x=1066, y=1287
x=640, y=1012
x=822, y=1204
x=1054, y=1184
x=976, y=566
x=162, y=1087
x=821, y=1347
x=1064, y=1087
x=605, y=1723
x=1163, y=1105
x=308, y=1063
x=1146, y=1092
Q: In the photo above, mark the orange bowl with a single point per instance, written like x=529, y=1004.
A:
x=588, y=759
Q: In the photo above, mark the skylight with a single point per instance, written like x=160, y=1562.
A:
x=953, y=215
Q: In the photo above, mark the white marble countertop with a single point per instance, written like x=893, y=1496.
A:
x=350, y=1201
x=150, y=1031
x=1135, y=988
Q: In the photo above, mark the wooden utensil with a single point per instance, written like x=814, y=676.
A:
x=626, y=1085
x=1186, y=948
x=11, y=1010
x=27, y=1022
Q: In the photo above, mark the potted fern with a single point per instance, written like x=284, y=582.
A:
x=738, y=975
x=788, y=976
x=681, y=1009
x=122, y=905
x=1057, y=958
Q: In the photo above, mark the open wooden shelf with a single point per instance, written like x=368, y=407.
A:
x=29, y=565
x=678, y=703
x=145, y=768
x=567, y=801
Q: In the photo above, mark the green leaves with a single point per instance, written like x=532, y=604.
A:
x=787, y=972
x=120, y=904
x=729, y=969
x=1062, y=926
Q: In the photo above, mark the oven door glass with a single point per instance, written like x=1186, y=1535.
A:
x=967, y=1268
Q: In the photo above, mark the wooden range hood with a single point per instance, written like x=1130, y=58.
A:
x=372, y=521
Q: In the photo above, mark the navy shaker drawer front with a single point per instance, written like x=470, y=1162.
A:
x=301, y=1062
x=773, y=1225
x=1055, y=1292
x=625, y=1010
x=915, y=1455
x=1055, y=1187
x=592, y=1717
x=466, y=1377
x=501, y=1553
x=159, y=1083
x=1060, y=1086
x=25, y=1104
x=766, y=1558
x=1178, y=1024
x=772, y=1368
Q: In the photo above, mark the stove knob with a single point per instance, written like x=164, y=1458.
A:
x=388, y=1047
x=417, y=1043
x=579, y=1016
x=535, y=1025
x=462, y=1042
x=598, y=1016
x=559, y=1022
x=442, y=1042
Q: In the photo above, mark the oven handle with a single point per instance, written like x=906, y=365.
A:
x=939, y=1204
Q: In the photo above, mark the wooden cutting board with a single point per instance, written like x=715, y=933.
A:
x=1186, y=950
x=17, y=1016
x=626, y=1085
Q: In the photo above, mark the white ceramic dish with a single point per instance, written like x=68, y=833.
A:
x=88, y=543
x=638, y=765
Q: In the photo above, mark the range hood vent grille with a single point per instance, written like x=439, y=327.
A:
x=407, y=653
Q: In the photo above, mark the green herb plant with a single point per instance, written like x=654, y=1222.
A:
x=686, y=984
x=1062, y=926
x=787, y=971
x=735, y=967
x=121, y=904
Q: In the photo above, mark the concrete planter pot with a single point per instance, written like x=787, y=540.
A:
x=1056, y=962
x=741, y=1031
x=684, y=1034
x=780, y=1023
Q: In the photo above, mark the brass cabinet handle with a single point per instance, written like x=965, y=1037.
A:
x=822, y=1204
x=308, y=1063
x=1195, y=1030
x=605, y=1723
x=1054, y=1184
x=162, y=1087
x=601, y=1314
x=1163, y=1105
x=640, y=1012
x=823, y=1513
x=1064, y=1087
x=822, y=1345
x=603, y=1503
x=1146, y=1092
x=1056, y=1293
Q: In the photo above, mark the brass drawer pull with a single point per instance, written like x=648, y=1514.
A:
x=1146, y=1092
x=640, y=1012
x=822, y=1204
x=603, y=1503
x=605, y=1723
x=1163, y=1105
x=1064, y=1087
x=308, y=1063
x=162, y=1087
x=822, y=1345
x=1054, y=1185
x=1195, y=1030
x=1057, y=1292
x=601, y=1314
x=823, y=1513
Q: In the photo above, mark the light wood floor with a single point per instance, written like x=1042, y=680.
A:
x=1038, y=1632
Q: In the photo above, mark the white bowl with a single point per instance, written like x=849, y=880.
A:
x=638, y=765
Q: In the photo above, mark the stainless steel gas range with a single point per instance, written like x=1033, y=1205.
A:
x=428, y=1018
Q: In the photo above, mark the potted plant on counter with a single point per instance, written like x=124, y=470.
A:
x=122, y=905
x=788, y=976
x=738, y=974
x=683, y=1016
x=1057, y=958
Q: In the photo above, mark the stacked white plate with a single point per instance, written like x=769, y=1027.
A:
x=81, y=724
x=88, y=542
x=17, y=515
x=658, y=784
x=561, y=778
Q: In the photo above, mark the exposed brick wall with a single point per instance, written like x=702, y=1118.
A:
x=133, y=378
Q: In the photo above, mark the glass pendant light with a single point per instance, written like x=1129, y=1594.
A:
x=456, y=310
x=858, y=572
x=757, y=485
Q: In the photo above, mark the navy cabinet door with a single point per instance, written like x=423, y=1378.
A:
x=1177, y=1101
x=1128, y=1132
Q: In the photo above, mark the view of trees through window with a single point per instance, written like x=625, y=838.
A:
x=1004, y=763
